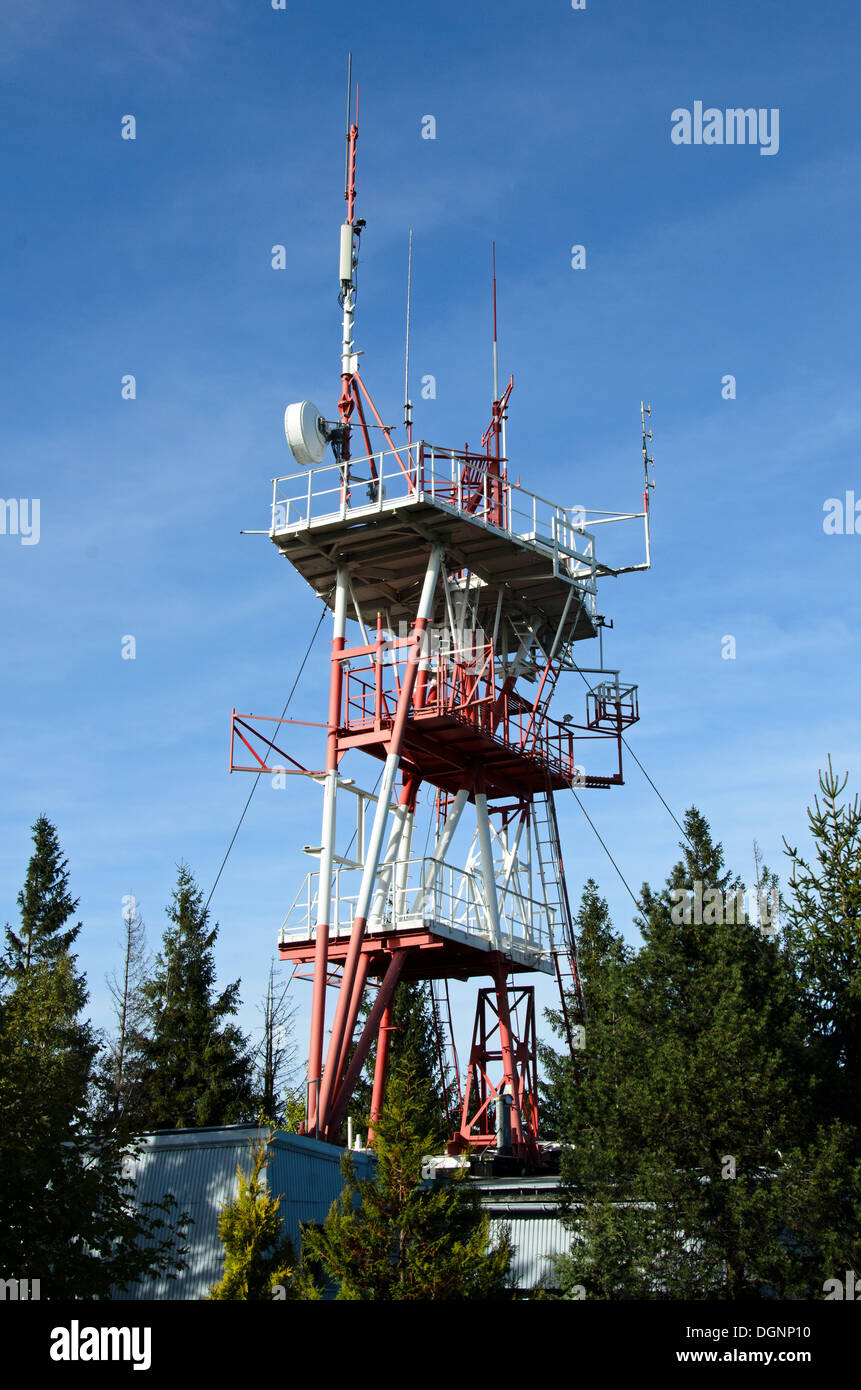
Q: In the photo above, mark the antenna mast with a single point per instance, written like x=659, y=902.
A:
x=349, y=256
x=499, y=414
x=495, y=344
x=648, y=462
x=349, y=112
x=408, y=405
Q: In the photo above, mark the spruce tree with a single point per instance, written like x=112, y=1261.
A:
x=824, y=936
x=45, y=906
x=569, y=1095
x=198, y=1069
x=393, y=1238
x=679, y=1185
x=67, y=1217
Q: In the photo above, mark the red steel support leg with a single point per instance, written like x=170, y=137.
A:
x=355, y=1001
x=476, y=1078
x=508, y=1065
x=380, y=1067
x=375, y=843
x=338, y=1108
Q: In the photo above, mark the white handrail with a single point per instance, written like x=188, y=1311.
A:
x=455, y=902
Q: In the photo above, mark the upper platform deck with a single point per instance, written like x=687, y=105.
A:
x=380, y=529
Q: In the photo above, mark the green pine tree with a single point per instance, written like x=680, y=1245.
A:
x=198, y=1069
x=568, y=1092
x=680, y=1184
x=824, y=935
x=392, y=1238
x=67, y=1217
x=259, y=1259
x=45, y=906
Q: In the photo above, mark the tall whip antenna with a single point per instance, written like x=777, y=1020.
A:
x=408, y=405
x=349, y=113
x=499, y=409
x=495, y=344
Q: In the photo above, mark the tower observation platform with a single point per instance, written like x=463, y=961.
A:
x=458, y=599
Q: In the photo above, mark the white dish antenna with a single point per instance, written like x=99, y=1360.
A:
x=307, y=433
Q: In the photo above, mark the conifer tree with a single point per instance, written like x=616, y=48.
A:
x=569, y=1093
x=45, y=906
x=67, y=1216
x=678, y=1185
x=259, y=1259
x=198, y=1069
x=824, y=936
x=392, y=1238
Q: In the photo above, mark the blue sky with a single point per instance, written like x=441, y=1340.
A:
x=153, y=257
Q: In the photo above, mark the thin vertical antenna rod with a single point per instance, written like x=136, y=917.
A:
x=408, y=407
x=499, y=414
x=495, y=345
x=349, y=113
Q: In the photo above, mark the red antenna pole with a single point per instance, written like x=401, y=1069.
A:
x=496, y=430
x=408, y=408
x=352, y=137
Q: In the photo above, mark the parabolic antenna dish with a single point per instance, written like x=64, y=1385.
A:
x=306, y=433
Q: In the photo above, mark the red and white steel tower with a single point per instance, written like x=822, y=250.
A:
x=464, y=596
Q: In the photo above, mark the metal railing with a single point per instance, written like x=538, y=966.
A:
x=437, y=896
x=467, y=692
x=456, y=481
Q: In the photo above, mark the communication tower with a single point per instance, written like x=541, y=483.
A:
x=458, y=600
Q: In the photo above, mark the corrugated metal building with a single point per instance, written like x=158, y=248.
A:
x=199, y=1167
x=529, y=1207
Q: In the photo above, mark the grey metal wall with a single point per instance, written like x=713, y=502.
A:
x=199, y=1167
x=536, y=1240
x=529, y=1207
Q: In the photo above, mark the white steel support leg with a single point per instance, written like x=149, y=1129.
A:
x=488, y=872
x=444, y=839
x=512, y=872
x=327, y=841
x=385, y=878
x=402, y=871
x=558, y=638
x=511, y=854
